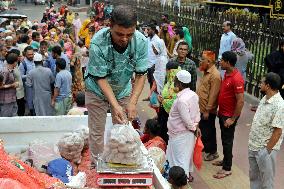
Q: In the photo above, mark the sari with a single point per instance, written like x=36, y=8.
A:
x=156, y=142
x=187, y=37
x=168, y=93
x=84, y=31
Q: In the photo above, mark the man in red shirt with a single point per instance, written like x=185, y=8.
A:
x=231, y=102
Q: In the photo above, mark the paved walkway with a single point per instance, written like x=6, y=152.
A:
x=239, y=179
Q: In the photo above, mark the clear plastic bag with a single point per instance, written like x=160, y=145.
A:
x=70, y=146
x=123, y=146
x=41, y=152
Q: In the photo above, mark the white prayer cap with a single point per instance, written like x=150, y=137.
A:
x=184, y=76
x=9, y=38
x=37, y=57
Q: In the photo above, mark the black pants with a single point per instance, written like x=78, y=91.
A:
x=162, y=120
x=208, y=131
x=150, y=76
x=21, y=106
x=227, y=136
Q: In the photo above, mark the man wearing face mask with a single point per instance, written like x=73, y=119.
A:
x=265, y=134
x=115, y=54
x=8, y=97
x=208, y=91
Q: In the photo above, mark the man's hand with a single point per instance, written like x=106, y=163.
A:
x=160, y=98
x=197, y=132
x=119, y=115
x=131, y=111
x=229, y=122
x=52, y=103
x=205, y=115
x=15, y=85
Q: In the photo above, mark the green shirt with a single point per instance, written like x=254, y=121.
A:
x=117, y=68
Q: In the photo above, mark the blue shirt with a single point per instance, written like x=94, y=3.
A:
x=25, y=70
x=63, y=82
x=51, y=63
x=226, y=43
x=117, y=68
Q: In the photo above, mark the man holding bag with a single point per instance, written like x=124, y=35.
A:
x=183, y=124
x=115, y=54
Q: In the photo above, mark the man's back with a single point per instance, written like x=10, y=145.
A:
x=63, y=81
x=41, y=79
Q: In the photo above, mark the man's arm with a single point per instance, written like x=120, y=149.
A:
x=215, y=84
x=55, y=95
x=277, y=132
x=238, y=110
x=277, y=125
x=118, y=112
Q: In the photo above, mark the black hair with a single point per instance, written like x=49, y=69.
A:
x=124, y=16
x=180, y=32
x=35, y=34
x=76, y=14
x=177, y=176
x=57, y=50
x=43, y=43
x=153, y=126
x=28, y=48
x=152, y=26
x=80, y=43
x=183, y=43
x=34, y=27
x=166, y=15
x=12, y=58
x=80, y=99
x=230, y=57
x=153, y=21
x=15, y=51
x=1, y=78
x=172, y=65
x=25, y=38
x=273, y=80
x=25, y=30
x=61, y=63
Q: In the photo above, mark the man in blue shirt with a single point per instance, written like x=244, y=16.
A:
x=115, y=54
x=61, y=99
x=56, y=53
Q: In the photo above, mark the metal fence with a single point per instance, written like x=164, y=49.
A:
x=260, y=35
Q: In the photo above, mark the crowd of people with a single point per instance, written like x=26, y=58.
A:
x=49, y=66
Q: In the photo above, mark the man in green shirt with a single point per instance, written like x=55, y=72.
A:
x=115, y=54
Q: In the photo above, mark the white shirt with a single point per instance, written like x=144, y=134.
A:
x=152, y=57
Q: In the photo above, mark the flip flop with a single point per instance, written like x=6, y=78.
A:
x=222, y=174
x=190, y=178
x=218, y=163
x=146, y=99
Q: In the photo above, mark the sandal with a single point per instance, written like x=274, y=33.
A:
x=218, y=163
x=222, y=174
x=211, y=157
x=190, y=178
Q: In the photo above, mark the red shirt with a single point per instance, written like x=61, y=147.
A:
x=232, y=84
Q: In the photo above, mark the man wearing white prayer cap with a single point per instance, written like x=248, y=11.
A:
x=183, y=124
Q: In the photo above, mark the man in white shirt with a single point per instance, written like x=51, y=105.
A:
x=226, y=41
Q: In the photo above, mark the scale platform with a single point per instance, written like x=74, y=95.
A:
x=141, y=175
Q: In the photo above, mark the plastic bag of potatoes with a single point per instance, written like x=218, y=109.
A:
x=123, y=146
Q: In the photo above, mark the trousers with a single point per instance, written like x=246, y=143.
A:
x=97, y=112
x=262, y=169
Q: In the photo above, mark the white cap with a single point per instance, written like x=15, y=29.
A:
x=184, y=76
x=37, y=57
x=9, y=38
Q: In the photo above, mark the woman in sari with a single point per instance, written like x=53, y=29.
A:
x=152, y=130
x=84, y=31
x=78, y=82
x=167, y=98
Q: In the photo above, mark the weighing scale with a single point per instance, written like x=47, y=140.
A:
x=109, y=175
